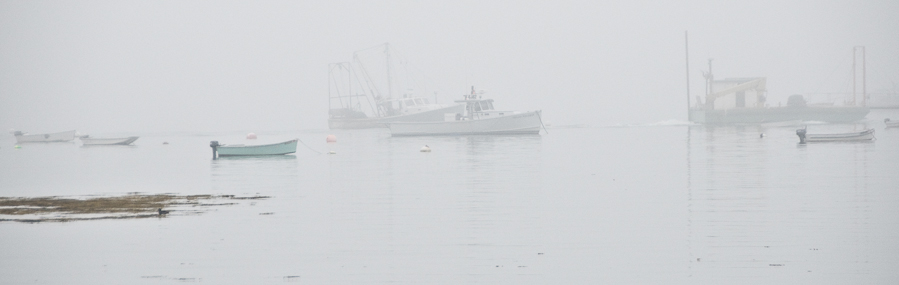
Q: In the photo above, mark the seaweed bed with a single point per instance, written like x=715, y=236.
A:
x=132, y=206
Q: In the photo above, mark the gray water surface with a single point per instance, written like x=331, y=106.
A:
x=653, y=204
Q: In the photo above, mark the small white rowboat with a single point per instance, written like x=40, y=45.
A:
x=248, y=150
x=108, y=141
x=52, y=137
x=865, y=135
x=891, y=124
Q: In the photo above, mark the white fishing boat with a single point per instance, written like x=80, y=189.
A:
x=51, y=137
x=87, y=140
x=253, y=150
x=866, y=135
x=479, y=118
x=360, y=99
x=890, y=124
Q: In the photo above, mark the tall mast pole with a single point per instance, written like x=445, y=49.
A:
x=710, y=103
x=687, y=56
x=864, y=80
x=349, y=82
x=389, y=79
x=853, y=74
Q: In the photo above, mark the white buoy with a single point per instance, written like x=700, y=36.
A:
x=251, y=136
x=425, y=149
x=332, y=152
x=331, y=139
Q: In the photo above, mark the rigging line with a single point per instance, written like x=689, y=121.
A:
x=368, y=98
x=541, y=122
x=372, y=89
x=307, y=146
x=878, y=73
x=836, y=67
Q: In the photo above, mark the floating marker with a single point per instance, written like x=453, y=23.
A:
x=425, y=149
x=251, y=136
x=331, y=139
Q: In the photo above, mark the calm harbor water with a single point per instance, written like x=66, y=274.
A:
x=643, y=204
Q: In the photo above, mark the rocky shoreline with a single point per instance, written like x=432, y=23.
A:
x=131, y=206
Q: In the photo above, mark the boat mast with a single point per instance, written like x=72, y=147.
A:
x=864, y=80
x=710, y=104
x=854, y=72
x=389, y=78
x=687, y=56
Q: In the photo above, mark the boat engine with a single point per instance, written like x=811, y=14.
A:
x=801, y=134
x=214, y=145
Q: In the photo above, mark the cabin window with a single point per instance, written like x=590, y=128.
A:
x=409, y=102
x=426, y=100
x=418, y=101
x=477, y=107
x=741, y=99
x=486, y=105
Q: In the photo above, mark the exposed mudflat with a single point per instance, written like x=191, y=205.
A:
x=132, y=206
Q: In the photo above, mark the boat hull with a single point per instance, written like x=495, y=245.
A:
x=866, y=135
x=528, y=123
x=251, y=150
x=779, y=114
x=52, y=137
x=368, y=123
x=108, y=141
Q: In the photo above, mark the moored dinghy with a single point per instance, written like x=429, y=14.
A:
x=51, y=137
x=87, y=140
x=253, y=150
x=866, y=135
x=891, y=124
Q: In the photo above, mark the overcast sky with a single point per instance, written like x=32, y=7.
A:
x=159, y=66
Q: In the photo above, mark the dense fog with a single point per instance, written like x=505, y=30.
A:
x=199, y=66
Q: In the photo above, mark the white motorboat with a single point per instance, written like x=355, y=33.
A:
x=891, y=124
x=479, y=118
x=51, y=137
x=866, y=135
x=253, y=150
x=87, y=140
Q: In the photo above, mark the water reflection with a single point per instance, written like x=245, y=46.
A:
x=255, y=158
x=448, y=206
x=252, y=174
x=758, y=206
